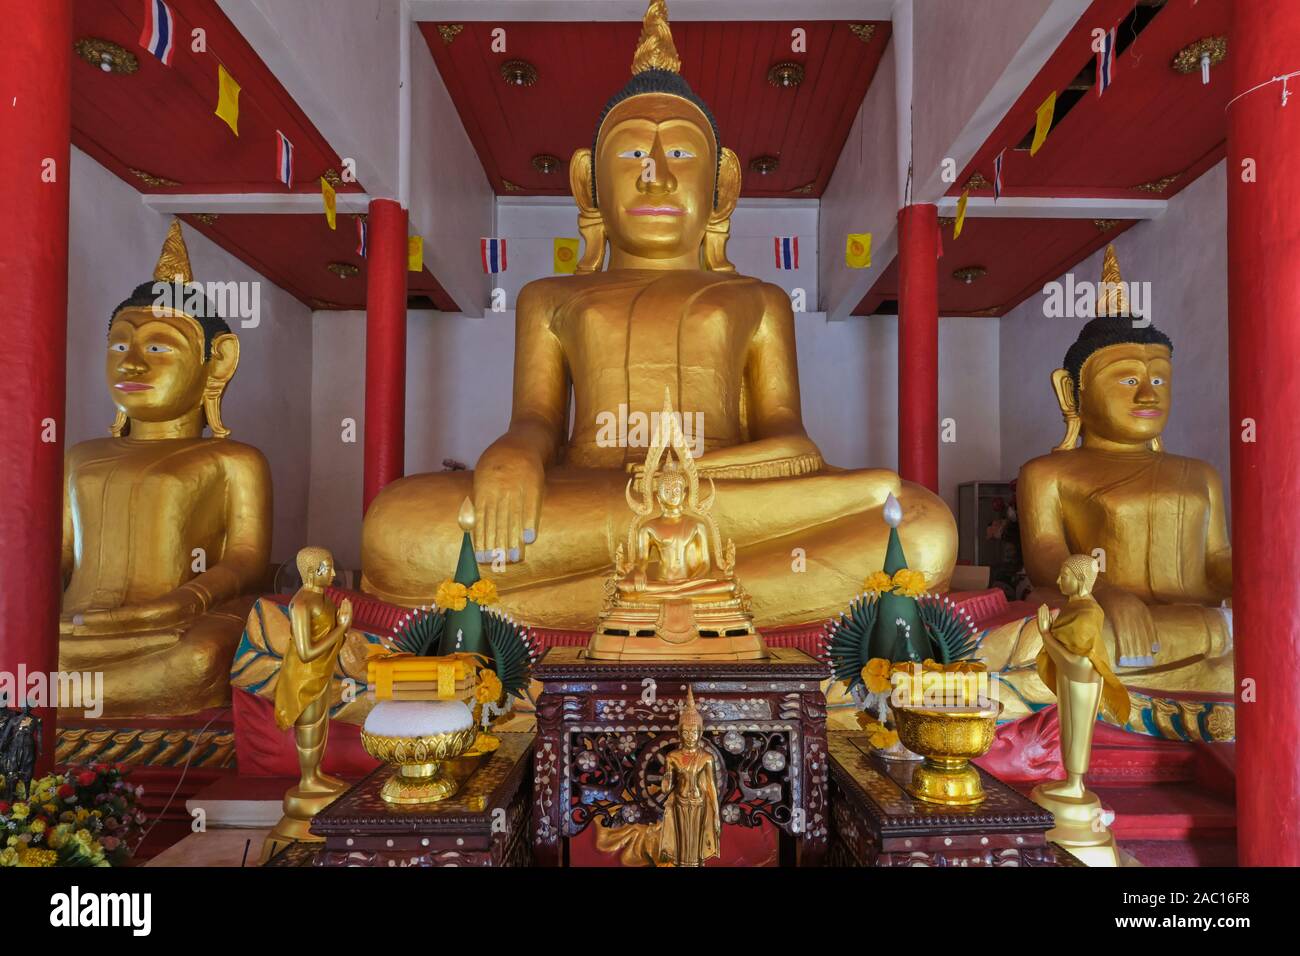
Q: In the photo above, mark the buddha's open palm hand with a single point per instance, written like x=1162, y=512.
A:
x=508, y=485
x=1130, y=619
x=177, y=607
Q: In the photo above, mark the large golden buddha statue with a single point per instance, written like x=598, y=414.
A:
x=163, y=529
x=1155, y=521
x=669, y=312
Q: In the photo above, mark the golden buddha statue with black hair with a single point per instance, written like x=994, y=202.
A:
x=669, y=311
x=166, y=533
x=1155, y=521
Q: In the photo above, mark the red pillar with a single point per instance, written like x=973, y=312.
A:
x=918, y=344
x=35, y=96
x=385, y=425
x=1263, y=345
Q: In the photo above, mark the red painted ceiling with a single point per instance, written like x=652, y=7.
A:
x=161, y=120
x=1152, y=122
x=298, y=257
x=581, y=65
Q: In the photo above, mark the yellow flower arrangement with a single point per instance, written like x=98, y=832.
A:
x=909, y=583
x=36, y=827
x=876, y=675
x=451, y=595
x=878, y=735
x=9, y=857
x=879, y=582
x=483, y=592
x=489, y=687
x=37, y=856
x=21, y=811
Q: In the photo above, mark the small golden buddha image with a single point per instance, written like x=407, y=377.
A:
x=692, y=825
x=166, y=531
x=673, y=594
x=302, y=692
x=1156, y=521
x=654, y=304
x=1074, y=664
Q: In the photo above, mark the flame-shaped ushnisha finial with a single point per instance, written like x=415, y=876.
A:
x=691, y=716
x=1112, y=297
x=893, y=512
x=174, y=260
x=655, y=49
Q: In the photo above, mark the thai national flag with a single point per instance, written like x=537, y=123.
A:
x=1106, y=62
x=493, y=252
x=361, y=236
x=997, y=176
x=159, y=33
x=787, y=252
x=284, y=159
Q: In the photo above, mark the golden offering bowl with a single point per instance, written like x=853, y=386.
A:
x=421, y=776
x=948, y=738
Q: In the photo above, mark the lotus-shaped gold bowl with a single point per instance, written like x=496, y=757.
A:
x=948, y=738
x=421, y=776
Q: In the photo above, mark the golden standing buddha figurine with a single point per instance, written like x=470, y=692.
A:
x=302, y=694
x=1073, y=663
x=673, y=594
x=165, y=532
x=669, y=312
x=691, y=831
x=1156, y=521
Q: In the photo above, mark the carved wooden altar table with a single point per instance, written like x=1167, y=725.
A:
x=875, y=822
x=604, y=727
x=484, y=824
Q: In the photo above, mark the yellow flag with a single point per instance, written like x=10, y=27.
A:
x=1044, y=123
x=564, y=255
x=415, y=254
x=857, y=250
x=228, y=99
x=961, y=213
x=327, y=194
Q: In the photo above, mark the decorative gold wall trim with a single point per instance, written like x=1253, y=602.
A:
x=1188, y=59
x=449, y=31
x=344, y=270
x=1158, y=185
x=146, y=746
x=977, y=181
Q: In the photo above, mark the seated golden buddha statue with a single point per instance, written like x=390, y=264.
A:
x=673, y=594
x=163, y=529
x=669, y=312
x=1155, y=521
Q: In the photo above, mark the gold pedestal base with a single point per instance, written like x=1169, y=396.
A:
x=419, y=783
x=621, y=647
x=295, y=825
x=1079, y=828
x=952, y=782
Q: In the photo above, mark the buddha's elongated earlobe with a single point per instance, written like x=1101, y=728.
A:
x=120, y=424
x=1063, y=386
x=591, y=226
x=718, y=230
x=221, y=367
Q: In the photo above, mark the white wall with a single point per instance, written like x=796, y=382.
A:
x=452, y=202
x=340, y=61
x=862, y=196
x=1181, y=255
x=114, y=241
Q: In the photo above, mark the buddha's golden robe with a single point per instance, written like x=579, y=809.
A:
x=1078, y=629
x=136, y=514
x=619, y=338
x=301, y=682
x=691, y=827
